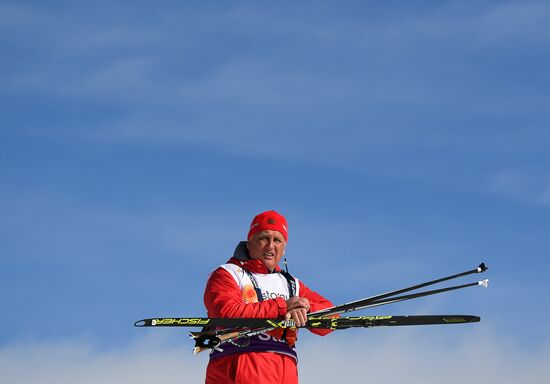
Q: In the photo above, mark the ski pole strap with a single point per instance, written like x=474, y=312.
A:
x=291, y=281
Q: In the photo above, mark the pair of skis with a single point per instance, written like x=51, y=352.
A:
x=239, y=328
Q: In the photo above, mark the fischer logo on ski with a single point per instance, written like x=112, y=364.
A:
x=454, y=320
x=180, y=321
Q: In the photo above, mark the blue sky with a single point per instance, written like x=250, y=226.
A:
x=404, y=141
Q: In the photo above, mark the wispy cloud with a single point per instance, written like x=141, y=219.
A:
x=411, y=93
x=404, y=356
x=78, y=361
x=309, y=77
x=385, y=355
x=247, y=75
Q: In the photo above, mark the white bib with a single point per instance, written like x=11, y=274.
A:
x=272, y=285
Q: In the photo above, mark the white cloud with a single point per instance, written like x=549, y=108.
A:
x=381, y=355
x=80, y=362
x=406, y=357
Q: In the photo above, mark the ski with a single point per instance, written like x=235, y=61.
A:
x=214, y=339
x=312, y=322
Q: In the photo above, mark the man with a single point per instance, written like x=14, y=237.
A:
x=252, y=284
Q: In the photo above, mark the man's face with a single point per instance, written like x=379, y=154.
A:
x=268, y=246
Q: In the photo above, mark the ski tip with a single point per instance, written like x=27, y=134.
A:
x=194, y=335
x=484, y=283
x=198, y=349
x=140, y=323
x=481, y=268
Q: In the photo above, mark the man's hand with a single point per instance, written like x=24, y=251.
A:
x=297, y=309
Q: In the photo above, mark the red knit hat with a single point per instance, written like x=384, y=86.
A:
x=269, y=220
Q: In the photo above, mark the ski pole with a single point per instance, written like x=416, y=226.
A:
x=391, y=300
x=361, y=303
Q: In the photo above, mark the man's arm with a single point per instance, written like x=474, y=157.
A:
x=223, y=298
x=316, y=303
